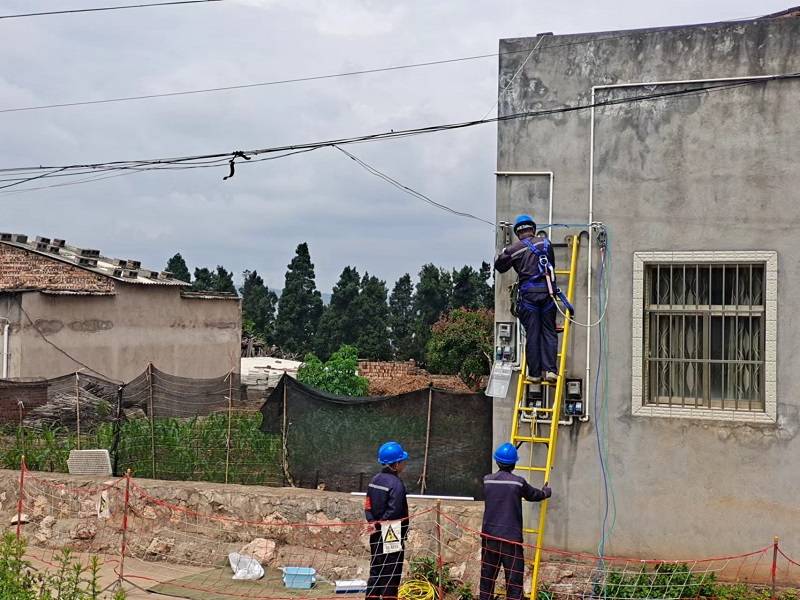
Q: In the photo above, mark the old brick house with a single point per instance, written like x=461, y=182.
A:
x=64, y=309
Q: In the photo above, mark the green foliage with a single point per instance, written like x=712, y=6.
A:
x=186, y=449
x=339, y=322
x=665, y=580
x=431, y=300
x=402, y=318
x=338, y=375
x=461, y=344
x=372, y=331
x=258, y=306
x=177, y=266
x=206, y=280
x=300, y=305
x=427, y=569
x=71, y=580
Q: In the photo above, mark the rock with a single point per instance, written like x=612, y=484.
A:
x=262, y=549
x=45, y=531
x=23, y=518
x=84, y=531
x=159, y=548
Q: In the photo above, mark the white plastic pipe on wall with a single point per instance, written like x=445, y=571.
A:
x=591, y=191
x=6, y=328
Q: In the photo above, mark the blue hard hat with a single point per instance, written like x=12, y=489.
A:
x=523, y=221
x=390, y=453
x=506, y=454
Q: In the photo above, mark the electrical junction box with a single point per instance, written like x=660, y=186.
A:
x=505, y=342
x=574, y=405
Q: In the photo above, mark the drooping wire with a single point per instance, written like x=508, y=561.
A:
x=408, y=190
x=105, y=8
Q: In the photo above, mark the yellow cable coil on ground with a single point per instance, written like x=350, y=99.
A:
x=416, y=589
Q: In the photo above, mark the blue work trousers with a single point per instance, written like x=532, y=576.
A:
x=537, y=313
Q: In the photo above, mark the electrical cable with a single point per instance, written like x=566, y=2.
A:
x=411, y=191
x=513, y=77
x=160, y=163
x=105, y=8
x=61, y=350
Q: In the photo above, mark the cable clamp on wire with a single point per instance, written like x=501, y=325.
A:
x=232, y=163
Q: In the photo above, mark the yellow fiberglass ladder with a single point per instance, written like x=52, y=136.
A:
x=545, y=416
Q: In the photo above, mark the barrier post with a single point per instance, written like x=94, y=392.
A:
x=439, y=557
x=230, y=416
x=774, y=570
x=123, y=547
x=21, y=495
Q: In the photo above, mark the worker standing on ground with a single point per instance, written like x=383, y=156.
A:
x=501, y=534
x=386, y=506
x=533, y=259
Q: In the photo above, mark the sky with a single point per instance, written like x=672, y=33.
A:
x=256, y=219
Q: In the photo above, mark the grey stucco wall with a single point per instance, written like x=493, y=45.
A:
x=120, y=335
x=704, y=172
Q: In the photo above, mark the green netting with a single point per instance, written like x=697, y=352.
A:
x=332, y=440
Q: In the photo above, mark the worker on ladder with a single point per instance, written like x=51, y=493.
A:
x=501, y=534
x=534, y=261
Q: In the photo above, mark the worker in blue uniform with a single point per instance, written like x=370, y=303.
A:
x=386, y=503
x=533, y=259
x=501, y=534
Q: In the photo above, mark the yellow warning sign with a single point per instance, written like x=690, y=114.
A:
x=391, y=532
x=391, y=536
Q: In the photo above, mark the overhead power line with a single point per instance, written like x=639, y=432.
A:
x=408, y=190
x=15, y=176
x=104, y=8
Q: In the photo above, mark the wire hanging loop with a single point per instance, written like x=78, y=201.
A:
x=232, y=163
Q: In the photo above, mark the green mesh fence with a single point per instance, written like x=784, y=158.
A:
x=332, y=441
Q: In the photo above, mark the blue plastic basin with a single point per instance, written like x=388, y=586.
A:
x=299, y=578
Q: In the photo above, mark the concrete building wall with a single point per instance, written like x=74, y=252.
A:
x=713, y=171
x=119, y=335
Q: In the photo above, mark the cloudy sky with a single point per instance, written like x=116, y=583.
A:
x=256, y=219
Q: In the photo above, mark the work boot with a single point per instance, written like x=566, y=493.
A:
x=550, y=377
x=535, y=380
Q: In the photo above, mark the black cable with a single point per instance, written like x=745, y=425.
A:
x=61, y=350
x=409, y=190
x=104, y=8
x=221, y=157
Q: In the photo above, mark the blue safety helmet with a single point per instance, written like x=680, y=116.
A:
x=506, y=454
x=390, y=453
x=524, y=222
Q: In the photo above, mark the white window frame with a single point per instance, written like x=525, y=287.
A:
x=770, y=261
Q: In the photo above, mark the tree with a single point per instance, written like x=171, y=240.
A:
x=461, y=344
x=206, y=280
x=338, y=323
x=258, y=306
x=431, y=300
x=339, y=375
x=300, y=304
x=402, y=318
x=466, y=288
x=177, y=266
x=372, y=319
x=487, y=289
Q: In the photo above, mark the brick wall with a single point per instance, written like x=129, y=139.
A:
x=24, y=269
x=31, y=395
x=387, y=370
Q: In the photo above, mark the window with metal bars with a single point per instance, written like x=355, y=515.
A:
x=703, y=336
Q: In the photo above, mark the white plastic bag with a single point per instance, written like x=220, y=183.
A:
x=245, y=567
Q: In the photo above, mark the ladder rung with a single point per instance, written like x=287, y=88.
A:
x=544, y=383
x=563, y=271
x=531, y=439
x=531, y=531
x=534, y=409
x=539, y=469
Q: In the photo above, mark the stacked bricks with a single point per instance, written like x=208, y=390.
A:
x=388, y=370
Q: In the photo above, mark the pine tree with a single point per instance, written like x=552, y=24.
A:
x=372, y=313
x=431, y=300
x=487, y=289
x=466, y=288
x=338, y=325
x=204, y=280
x=220, y=280
x=223, y=281
x=177, y=266
x=258, y=306
x=402, y=318
x=300, y=305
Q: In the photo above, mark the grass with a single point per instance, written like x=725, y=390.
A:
x=185, y=449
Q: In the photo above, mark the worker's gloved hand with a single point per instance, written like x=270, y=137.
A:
x=547, y=491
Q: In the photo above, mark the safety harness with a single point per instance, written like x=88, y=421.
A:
x=543, y=279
